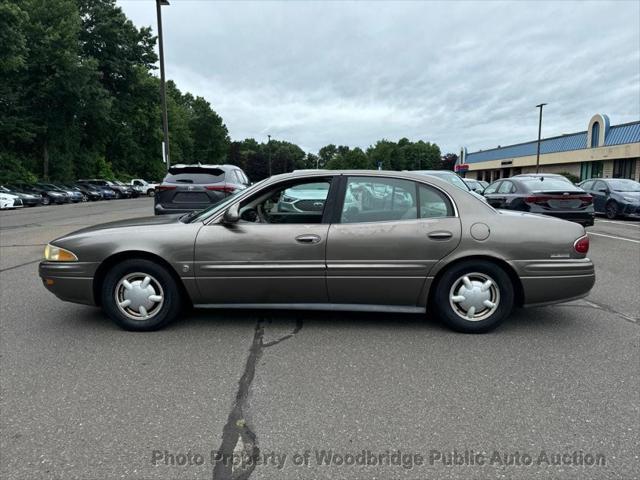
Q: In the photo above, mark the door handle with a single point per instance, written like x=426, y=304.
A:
x=441, y=235
x=309, y=238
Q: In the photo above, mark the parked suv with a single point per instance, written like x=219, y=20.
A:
x=193, y=187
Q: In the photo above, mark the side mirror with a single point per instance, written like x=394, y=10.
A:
x=232, y=215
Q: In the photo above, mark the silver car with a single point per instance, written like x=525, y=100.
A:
x=382, y=241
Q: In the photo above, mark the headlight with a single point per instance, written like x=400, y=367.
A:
x=57, y=254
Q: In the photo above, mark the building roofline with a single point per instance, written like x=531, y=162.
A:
x=550, y=138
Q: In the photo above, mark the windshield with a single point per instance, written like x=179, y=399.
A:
x=624, y=185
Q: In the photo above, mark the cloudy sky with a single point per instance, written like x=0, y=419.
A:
x=457, y=73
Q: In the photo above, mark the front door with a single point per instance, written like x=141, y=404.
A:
x=274, y=254
x=599, y=194
x=389, y=235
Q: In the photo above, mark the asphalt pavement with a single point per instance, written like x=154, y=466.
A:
x=321, y=395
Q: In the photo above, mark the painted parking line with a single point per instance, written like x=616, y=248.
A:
x=613, y=236
x=626, y=224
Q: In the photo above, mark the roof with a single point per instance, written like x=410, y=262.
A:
x=617, y=135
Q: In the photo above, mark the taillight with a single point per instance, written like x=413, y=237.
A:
x=162, y=188
x=221, y=188
x=536, y=198
x=581, y=245
x=586, y=199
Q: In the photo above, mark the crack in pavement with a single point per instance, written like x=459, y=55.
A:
x=605, y=308
x=238, y=440
x=21, y=265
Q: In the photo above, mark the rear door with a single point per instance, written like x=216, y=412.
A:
x=387, y=236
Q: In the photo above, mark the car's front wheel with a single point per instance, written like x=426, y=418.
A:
x=611, y=210
x=140, y=295
x=474, y=296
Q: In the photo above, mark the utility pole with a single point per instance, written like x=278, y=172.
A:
x=163, y=90
x=269, y=148
x=539, y=135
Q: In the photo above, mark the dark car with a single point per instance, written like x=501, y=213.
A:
x=49, y=195
x=453, y=179
x=28, y=199
x=105, y=190
x=129, y=190
x=75, y=195
x=546, y=194
x=193, y=187
x=91, y=192
x=118, y=190
x=614, y=196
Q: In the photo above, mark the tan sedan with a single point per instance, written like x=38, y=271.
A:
x=327, y=240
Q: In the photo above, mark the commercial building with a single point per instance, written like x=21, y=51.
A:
x=602, y=150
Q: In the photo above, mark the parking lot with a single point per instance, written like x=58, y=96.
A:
x=84, y=399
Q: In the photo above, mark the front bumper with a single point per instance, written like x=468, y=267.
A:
x=69, y=281
x=554, y=281
x=630, y=210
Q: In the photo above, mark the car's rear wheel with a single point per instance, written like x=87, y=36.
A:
x=474, y=296
x=611, y=210
x=151, y=192
x=46, y=200
x=140, y=295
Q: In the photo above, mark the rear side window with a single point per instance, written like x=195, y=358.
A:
x=194, y=178
x=433, y=203
x=587, y=185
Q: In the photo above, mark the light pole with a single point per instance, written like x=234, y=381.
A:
x=269, y=148
x=163, y=90
x=539, y=134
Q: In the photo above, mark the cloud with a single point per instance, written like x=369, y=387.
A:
x=455, y=73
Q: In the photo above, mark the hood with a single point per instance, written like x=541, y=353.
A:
x=132, y=222
x=633, y=195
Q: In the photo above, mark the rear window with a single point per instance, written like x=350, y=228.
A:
x=194, y=178
x=549, y=183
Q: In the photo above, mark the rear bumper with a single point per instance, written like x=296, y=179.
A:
x=585, y=219
x=69, y=281
x=546, y=282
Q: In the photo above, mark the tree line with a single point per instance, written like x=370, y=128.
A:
x=79, y=98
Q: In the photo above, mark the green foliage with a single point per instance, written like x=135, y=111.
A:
x=78, y=97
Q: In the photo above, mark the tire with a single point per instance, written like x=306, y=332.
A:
x=151, y=192
x=451, y=287
x=46, y=200
x=611, y=210
x=118, y=195
x=160, y=311
x=85, y=198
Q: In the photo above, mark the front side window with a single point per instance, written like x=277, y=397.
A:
x=291, y=202
x=506, y=187
x=492, y=188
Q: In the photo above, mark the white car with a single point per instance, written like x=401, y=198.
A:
x=8, y=201
x=144, y=187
